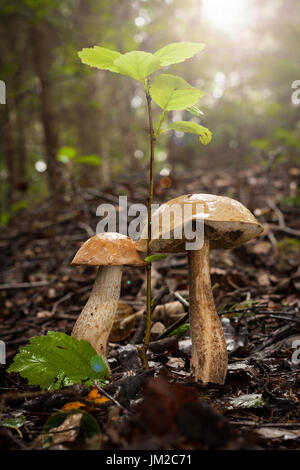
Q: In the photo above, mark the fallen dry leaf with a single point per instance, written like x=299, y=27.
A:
x=68, y=431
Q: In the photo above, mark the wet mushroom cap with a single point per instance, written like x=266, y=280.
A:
x=109, y=249
x=227, y=223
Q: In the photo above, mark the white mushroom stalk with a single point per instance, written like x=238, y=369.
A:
x=109, y=251
x=98, y=315
x=209, y=354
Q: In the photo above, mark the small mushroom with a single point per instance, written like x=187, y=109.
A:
x=109, y=251
x=227, y=224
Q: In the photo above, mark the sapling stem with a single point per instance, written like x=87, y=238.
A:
x=143, y=349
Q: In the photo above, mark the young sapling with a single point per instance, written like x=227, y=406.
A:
x=170, y=93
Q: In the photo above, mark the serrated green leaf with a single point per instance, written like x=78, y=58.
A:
x=205, y=135
x=100, y=57
x=137, y=64
x=171, y=92
x=178, y=52
x=195, y=110
x=58, y=360
x=93, y=160
x=181, y=330
x=157, y=257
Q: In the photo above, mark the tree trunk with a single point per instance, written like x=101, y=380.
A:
x=10, y=159
x=43, y=63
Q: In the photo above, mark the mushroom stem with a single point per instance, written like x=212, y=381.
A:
x=209, y=355
x=97, y=317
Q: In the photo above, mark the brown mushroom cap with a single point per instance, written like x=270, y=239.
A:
x=227, y=223
x=109, y=249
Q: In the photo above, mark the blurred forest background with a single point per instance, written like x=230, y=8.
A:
x=73, y=137
x=66, y=126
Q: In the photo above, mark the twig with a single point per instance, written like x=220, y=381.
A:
x=180, y=321
x=184, y=302
x=140, y=331
x=24, y=285
x=279, y=334
x=174, y=325
x=87, y=229
x=60, y=301
x=265, y=425
x=281, y=317
x=110, y=397
x=15, y=396
x=282, y=225
x=290, y=231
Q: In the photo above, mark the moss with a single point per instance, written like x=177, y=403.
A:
x=290, y=245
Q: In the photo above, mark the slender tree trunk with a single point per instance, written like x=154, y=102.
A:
x=22, y=183
x=43, y=63
x=10, y=158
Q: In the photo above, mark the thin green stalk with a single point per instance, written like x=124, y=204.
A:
x=143, y=349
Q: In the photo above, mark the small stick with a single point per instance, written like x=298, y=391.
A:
x=164, y=291
x=15, y=396
x=174, y=325
x=24, y=285
x=180, y=321
x=110, y=397
x=184, y=302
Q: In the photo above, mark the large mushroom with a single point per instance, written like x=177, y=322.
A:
x=109, y=251
x=227, y=224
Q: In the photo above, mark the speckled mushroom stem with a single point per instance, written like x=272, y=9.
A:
x=97, y=317
x=209, y=355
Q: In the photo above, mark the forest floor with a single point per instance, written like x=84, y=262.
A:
x=256, y=290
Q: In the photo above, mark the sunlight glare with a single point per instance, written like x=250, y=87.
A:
x=231, y=16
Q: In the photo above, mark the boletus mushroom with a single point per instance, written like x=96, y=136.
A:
x=110, y=251
x=227, y=224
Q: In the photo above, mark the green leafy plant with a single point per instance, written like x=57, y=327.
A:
x=289, y=245
x=69, y=157
x=180, y=331
x=69, y=154
x=151, y=258
x=58, y=360
x=13, y=423
x=291, y=201
x=4, y=218
x=170, y=93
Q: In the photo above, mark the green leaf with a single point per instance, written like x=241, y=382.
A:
x=14, y=423
x=171, y=92
x=4, y=218
x=65, y=154
x=262, y=144
x=178, y=52
x=58, y=360
x=195, y=110
x=93, y=160
x=137, y=64
x=18, y=206
x=157, y=257
x=100, y=57
x=205, y=135
x=181, y=330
